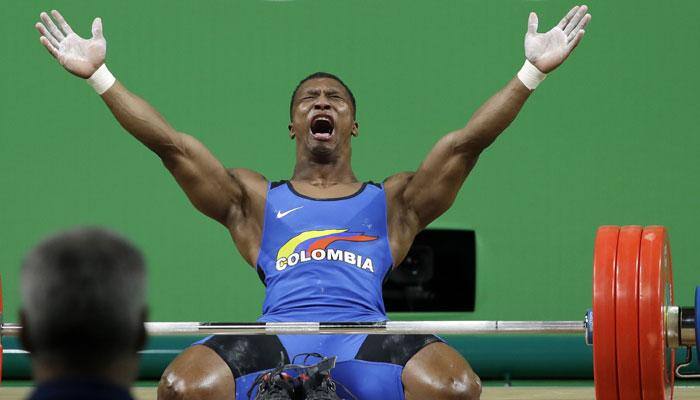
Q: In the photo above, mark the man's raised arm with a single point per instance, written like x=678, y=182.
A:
x=208, y=185
x=426, y=194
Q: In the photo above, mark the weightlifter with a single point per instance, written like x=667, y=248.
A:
x=322, y=242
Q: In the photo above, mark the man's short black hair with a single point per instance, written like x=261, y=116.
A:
x=83, y=299
x=316, y=75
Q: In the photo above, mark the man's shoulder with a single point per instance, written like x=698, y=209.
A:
x=249, y=179
x=396, y=183
x=79, y=389
x=246, y=173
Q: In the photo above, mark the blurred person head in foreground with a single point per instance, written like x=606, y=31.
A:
x=83, y=312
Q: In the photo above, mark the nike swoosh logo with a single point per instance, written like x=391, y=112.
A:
x=282, y=214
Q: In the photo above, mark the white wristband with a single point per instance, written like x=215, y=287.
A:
x=101, y=80
x=530, y=76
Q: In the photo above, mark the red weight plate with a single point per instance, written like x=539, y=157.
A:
x=604, y=349
x=655, y=293
x=627, y=312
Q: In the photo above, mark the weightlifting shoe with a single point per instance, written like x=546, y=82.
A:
x=318, y=386
x=273, y=385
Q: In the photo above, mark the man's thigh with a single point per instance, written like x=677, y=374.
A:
x=247, y=356
x=377, y=369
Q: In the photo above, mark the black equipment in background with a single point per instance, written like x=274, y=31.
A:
x=438, y=274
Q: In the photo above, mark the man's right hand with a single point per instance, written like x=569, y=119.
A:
x=81, y=57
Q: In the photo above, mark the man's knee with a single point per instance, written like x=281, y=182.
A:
x=465, y=387
x=175, y=387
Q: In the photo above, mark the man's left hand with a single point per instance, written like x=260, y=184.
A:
x=547, y=51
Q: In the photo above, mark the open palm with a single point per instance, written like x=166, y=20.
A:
x=81, y=57
x=547, y=51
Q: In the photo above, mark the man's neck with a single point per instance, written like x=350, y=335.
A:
x=323, y=174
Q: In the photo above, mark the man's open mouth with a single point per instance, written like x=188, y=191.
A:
x=322, y=127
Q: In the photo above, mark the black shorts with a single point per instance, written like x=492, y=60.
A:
x=374, y=372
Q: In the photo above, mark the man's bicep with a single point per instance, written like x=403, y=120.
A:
x=434, y=186
x=205, y=181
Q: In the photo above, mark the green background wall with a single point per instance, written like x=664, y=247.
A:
x=610, y=138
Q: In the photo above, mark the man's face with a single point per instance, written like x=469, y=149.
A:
x=322, y=117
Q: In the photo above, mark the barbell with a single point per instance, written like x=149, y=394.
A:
x=634, y=333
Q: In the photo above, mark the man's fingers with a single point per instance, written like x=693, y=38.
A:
x=565, y=20
x=532, y=23
x=97, y=28
x=57, y=34
x=581, y=25
x=62, y=22
x=45, y=33
x=572, y=44
x=49, y=46
x=575, y=19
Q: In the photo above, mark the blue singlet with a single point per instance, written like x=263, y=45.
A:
x=324, y=260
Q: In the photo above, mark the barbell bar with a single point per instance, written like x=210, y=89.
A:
x=329, y=328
